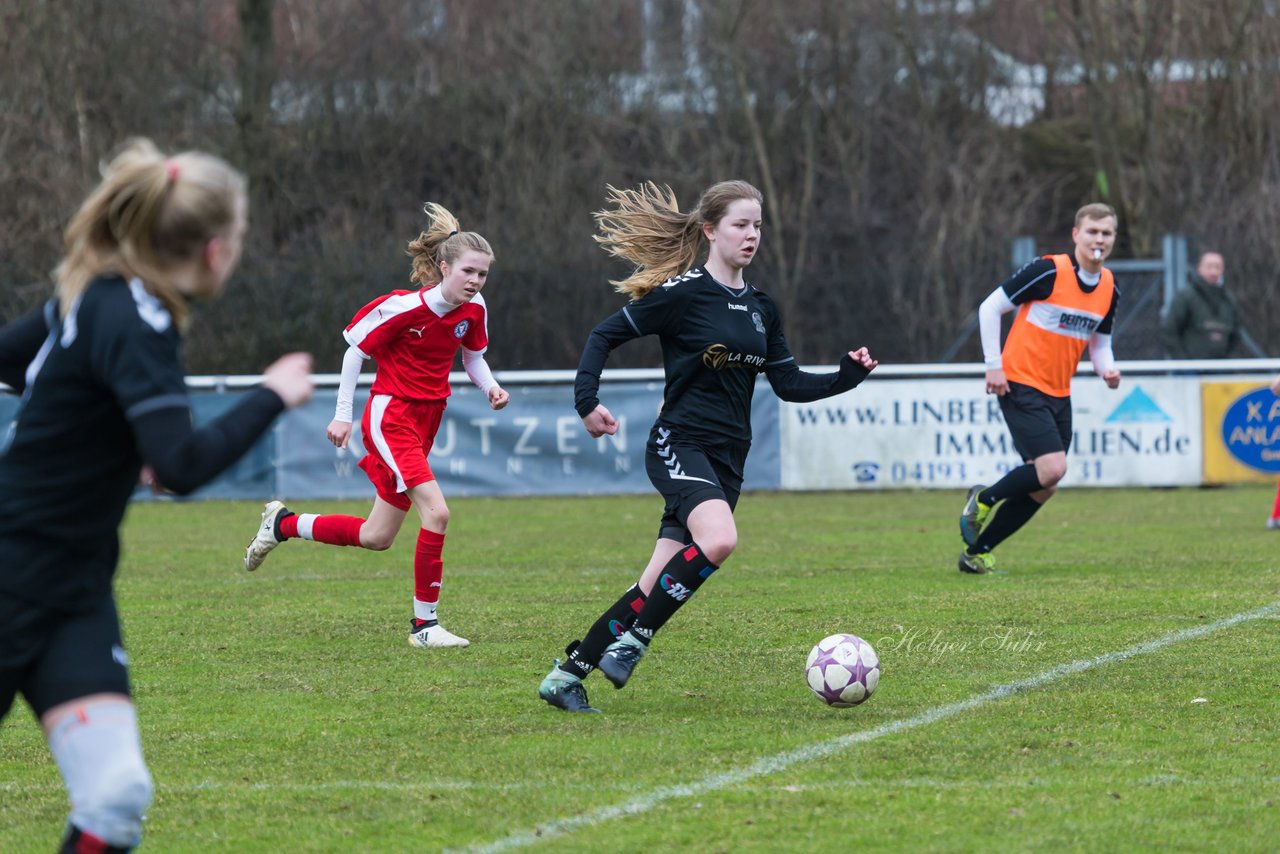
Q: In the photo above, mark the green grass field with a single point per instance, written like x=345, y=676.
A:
x=284, y=711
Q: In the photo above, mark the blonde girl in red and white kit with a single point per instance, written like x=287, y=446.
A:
x=413, y=336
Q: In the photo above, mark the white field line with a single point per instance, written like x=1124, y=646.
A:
x=781, y=761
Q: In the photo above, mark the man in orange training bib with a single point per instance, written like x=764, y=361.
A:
x=1063, y=302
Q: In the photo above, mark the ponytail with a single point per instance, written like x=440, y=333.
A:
x=442, y=241
x=147, y=215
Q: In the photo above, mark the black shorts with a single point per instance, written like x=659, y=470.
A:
x=688, y=474
x=1039, y=423
x=53, y=656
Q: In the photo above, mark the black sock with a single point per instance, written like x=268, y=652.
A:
x=276, y=530
x=682, y=575
x=1007, y=519
x=584, y=655
x=1020, y=481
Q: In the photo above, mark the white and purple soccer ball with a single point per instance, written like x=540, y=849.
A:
x=842, y=670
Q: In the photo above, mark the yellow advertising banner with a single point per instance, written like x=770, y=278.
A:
x=1241, y=432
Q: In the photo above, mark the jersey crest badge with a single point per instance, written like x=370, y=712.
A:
x=758, y=321
x=461, y=328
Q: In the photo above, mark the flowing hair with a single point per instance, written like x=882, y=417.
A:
x=149, y=214
x=646, y=227
x=442, y=241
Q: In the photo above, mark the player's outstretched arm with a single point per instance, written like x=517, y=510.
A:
x=185, y=458
x=796, y=386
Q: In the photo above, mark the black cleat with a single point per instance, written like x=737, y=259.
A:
x=565, y=691
x=974, y=516
x=620, y=658
x=978, y=564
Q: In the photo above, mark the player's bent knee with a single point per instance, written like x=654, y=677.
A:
x=1050, y=472
x=436, y=519
x=377, y=542
x=718, y=549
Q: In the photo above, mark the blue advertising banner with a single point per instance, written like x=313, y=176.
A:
x=535, y=446
x=1242, y=431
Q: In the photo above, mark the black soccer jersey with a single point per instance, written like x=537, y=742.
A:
x=103, y=391
x=715, y=341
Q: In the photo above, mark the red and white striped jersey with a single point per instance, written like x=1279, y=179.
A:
x=414, y=337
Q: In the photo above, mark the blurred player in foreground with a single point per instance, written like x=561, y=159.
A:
x=100, y=372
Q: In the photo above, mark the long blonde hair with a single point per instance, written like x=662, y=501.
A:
x=442, y=241
x=149, y=214
x=645, y=226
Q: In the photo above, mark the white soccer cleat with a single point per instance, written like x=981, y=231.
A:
x=435, y=635
x=265, y=540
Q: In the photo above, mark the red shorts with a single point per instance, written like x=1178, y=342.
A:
x=398, y=435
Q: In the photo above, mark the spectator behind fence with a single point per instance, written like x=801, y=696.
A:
x=1203, y=321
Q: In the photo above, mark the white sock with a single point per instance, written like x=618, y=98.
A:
x=306, y=521
x=424, y=610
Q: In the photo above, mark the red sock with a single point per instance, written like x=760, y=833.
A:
x=428, y=568
x=335, y=530
x=78, y=841
x=1275, y=511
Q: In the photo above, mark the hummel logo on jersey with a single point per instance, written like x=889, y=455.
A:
x=675, y=280
x=674, y=470
x=418, y=332
x=737, y=307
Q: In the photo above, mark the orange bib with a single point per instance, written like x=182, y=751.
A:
x=1048, y=336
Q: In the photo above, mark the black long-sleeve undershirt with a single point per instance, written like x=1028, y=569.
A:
x=608, y=335
x=796, y=386
x=185, y=458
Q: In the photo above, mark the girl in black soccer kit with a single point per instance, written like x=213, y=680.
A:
x=717, y=334
x=100, y=373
